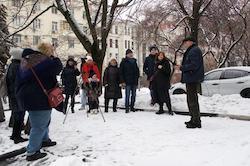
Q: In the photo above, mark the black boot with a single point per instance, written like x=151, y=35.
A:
x=170, y=112
x=127, y=110
x=161, y=111
x=115, y=105
x=19, y=140
x=186, y=123
x=106, y=105
x=72, y=110
x=48, y=143
x=36, y=156
x=193, y=125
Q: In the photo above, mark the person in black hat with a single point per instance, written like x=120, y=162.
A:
x=129, y=74
x=148, y=67
x=192, y=74
x=69, y=81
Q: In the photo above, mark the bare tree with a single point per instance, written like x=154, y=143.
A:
x=99, y=23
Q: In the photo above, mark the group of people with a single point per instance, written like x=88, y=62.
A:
x=30, y=69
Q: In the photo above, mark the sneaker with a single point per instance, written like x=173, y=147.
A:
x=36, y=156
x=48, y=143
x=19, y=140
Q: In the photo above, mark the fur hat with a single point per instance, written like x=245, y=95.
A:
x=16, y=53
x=89, y=58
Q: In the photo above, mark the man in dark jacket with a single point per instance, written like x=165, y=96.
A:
x=31, y=96
x=129, y=73
x=148, y=67
x=192, y=74
x=17, y=113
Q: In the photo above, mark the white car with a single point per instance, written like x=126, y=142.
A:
x=224, y=81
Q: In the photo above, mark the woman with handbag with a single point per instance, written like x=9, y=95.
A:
x=69, y=82
x=35, y=78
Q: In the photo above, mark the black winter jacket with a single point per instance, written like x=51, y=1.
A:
x=192, y=66
x=29, y=94
x=149, y=65
x=111, y=81
x=129, y=71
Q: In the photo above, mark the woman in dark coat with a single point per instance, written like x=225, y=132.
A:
x=111, y=81
x=69, y=81
x=161, y=83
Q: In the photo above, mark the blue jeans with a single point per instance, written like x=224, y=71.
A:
x=84, y=98
x=130, y=90
x=39, y=121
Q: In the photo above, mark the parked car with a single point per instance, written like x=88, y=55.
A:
x=224, y=81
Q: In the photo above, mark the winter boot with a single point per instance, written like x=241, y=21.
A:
x=72, y=110
x=48, y=143
x=127, y=110
x=36, y=156
x=19, y=140
x=170, y=112
x=160, y=112
x=193, y=125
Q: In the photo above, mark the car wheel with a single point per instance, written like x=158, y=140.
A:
x=178, y=91
x=245, y=93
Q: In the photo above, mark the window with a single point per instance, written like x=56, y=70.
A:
x=54, y=27
x=125, y=30
x=230, y=74
x=132, y=43
x=111, y=43
x=116, y=56
x=36, y=24
x=71, y=43
x=55, y=42
x=128, y=31
x=54, y=10
x=37, y=7
x=16, y=3
x=116, y=43
x=116, y=29
x=126, y=44
x=213, y=75
x=65, y=25
x=17, y=39
x=17, y=20
x=36, y=40
x=85, y=29
x=110, y=55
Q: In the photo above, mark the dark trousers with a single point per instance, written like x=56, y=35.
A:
x=72, y=102
x=192, y=101
x=130, y=90
x=18, y=124
x=107, y=104
x=168, y=103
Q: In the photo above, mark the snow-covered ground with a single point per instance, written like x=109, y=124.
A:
x=145, y=139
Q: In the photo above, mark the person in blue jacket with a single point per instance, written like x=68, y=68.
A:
x=31, y=97
x=192, y=74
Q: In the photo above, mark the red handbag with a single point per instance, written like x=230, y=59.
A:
x=55, y=95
